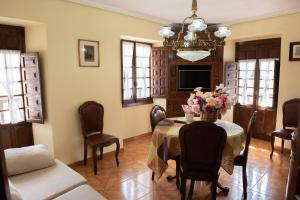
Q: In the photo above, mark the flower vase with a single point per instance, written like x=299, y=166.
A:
x=209, y=117
x=189, y=117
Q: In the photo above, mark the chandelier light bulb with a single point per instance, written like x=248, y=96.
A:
x=222, y=32
x=189, y=36
x=166, y=32
x=197, y=25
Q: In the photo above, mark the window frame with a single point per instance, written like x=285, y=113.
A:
x=134, y=101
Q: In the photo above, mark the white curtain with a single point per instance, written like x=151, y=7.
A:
x=266, y=81
x=9, y=60
x=247, y=71
x=127, y=69
x=143, y=61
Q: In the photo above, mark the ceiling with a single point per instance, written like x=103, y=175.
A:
x=213, y=11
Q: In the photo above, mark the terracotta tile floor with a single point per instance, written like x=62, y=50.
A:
x=132, y=179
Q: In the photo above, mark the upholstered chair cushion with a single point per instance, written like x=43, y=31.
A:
x=26, y=159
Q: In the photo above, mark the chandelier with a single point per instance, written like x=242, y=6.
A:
x=193, y=41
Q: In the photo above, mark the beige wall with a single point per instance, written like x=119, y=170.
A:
x=66, y=84
x=288, y=28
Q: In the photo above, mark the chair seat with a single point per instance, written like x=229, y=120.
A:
x=101, y=139
x=283, y=133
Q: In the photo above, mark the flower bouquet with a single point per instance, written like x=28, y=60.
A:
x=210, y=104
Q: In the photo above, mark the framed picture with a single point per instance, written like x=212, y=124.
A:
x=294, y=51
x=88, y=53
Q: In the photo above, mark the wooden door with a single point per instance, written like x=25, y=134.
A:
x=252, y=57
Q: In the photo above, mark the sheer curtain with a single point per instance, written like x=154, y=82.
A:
x=246, y=81
x=9, y=72
x=266, y=82
x=143, y=70
x=127, y=69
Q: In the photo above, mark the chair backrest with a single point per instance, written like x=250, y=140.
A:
x=157, y=114
x=91, y=117
x=293, y=181
x=291, y=111
x=202, y=145
x=250, y=129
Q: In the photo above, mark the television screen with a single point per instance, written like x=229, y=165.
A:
x=191, y=77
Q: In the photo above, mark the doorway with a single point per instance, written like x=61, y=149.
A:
x=258, y=81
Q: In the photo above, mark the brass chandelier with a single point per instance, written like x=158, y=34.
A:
x=193, y=41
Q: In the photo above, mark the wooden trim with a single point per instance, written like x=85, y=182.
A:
x=291, y=51
x=130, y=139
x=79, y=163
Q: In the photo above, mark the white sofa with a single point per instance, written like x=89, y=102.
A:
x=53, y=180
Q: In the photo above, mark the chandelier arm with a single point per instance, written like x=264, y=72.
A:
x=182, y=27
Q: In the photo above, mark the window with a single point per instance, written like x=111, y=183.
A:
x=246, y=81
x=247, y=84
x=135, y=73
x=11, y=95
x=266, y=82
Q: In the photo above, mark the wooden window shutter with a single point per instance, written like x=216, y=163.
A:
x=231, y=77
x=159, y=67
x=31, y=80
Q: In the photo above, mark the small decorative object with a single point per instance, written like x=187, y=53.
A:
x=88, y=53
x=210, y=104
x=294, y=51
x=189, y=113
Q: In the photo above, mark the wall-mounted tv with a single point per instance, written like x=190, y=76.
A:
x=192, y=76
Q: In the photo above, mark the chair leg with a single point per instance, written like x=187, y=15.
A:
x=282, y=145
x=95, y=159
x=214, y=189
x=177, y=173
x=85, y=153
x=190, y=196
x=117, y=151
x=272, y=145
x=153, y=174
x=101, y=153
x=182, y=188
x=245, y=183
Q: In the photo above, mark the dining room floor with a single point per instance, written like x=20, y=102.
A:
x=132, y=179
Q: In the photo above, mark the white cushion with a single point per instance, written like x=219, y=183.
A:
x=80, y=193
x=47, y=183
x=14, y=193
x=26, y=159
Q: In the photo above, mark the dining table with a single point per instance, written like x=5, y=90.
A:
x=165, y=142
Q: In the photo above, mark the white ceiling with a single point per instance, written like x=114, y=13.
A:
x=213, y=11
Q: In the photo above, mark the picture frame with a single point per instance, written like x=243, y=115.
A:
x=88, y=51
x=294, y=51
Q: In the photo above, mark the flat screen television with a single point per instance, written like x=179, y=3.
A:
x=191, y=76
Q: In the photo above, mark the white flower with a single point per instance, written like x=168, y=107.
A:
x=197, y=89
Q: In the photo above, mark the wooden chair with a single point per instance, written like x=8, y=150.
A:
x=241, y=160
x=293, y=181
x=291, y=111
x=157, y=114
x=91, y=117
x=202, y=145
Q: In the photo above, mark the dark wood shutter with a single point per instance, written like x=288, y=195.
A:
x=32, y=88
x=159, y=67
x=231, y=77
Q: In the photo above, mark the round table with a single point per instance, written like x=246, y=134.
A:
x=165, y=141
